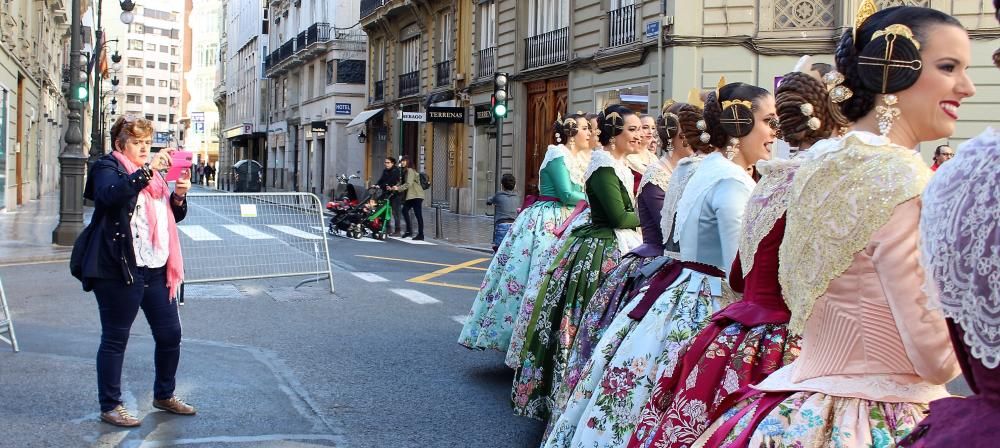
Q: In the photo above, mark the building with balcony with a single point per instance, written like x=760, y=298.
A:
x=34, y=63
x=316, y=68
x=417, y=106
x=201, y=56
x=243, y=119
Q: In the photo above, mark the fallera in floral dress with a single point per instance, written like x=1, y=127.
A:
x=644, y=340
x=591, y=253
x=521, y=253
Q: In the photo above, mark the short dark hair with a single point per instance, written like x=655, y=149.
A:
x=937, y=151
x=391, y=160
x=508, y=182
x=822, y=68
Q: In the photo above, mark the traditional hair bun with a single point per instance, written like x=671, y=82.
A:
x=891, y=61
x=611, y=122
x=667, y=126
x=737, y=118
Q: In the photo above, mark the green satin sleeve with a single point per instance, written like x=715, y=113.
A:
x=609, y=201
x=556, y=183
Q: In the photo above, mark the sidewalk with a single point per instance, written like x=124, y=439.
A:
x=26, y=232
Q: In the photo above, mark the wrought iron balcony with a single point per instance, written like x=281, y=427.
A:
x=546, y=49
x=318, y=32
x=369, y=6
x=286, y=51
x=409, y=84
x=486, y=62
x=621, y=26
x=443, y=73
x=300, y=41
x=379, y=91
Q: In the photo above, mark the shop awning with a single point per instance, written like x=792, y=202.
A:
x=364, y=117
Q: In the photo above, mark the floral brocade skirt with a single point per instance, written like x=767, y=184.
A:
x=604, y=406
x=726, y=357
x=813, y=419
x=611, y=297
x=574, y=278
x=526, y=251
x=534, y=285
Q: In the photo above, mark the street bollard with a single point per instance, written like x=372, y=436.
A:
x=437, y=223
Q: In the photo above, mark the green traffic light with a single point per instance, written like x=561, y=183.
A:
x=82, y=92
x=500, y=110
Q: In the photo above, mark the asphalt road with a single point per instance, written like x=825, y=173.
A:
x=267, y=364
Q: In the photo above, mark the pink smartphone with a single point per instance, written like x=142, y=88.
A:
x=179, y=162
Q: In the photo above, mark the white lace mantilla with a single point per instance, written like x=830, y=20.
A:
x=837, y=202
x=577, y=164
x=766, y=205
x=640, y=161
x=685, y=169
x=876, y=387
x=713, y=170
x=960, y=243
x=658, y=174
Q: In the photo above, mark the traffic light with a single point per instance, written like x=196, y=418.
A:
x=500, y=94
x=82, y=91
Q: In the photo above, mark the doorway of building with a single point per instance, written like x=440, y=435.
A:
x=546, y=99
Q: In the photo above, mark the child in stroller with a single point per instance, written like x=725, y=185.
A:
x=361, y=217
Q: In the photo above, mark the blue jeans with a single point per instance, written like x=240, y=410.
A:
x=118, y=304
x=500, y=230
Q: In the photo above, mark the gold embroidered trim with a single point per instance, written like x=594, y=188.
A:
x=767, y=203
x=838, y=201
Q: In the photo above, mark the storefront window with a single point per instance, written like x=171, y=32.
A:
x=634, y=97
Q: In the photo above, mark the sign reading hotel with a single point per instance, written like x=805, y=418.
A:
x=446, y=114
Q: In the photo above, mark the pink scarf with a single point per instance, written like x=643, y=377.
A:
x=157, y=190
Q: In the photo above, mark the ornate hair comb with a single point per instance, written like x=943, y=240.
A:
x=866, y=10
x=726, y=104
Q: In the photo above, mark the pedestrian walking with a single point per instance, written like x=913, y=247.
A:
x=413, y=199
x=391, y=178
x=131, y=259
x=505, y=204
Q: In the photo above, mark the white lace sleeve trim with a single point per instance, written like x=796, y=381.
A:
x=552, y=153
x=658, y=173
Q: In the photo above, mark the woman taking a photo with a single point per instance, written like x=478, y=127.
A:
x=133, y=260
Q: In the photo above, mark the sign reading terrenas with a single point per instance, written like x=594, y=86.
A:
x=446, y=114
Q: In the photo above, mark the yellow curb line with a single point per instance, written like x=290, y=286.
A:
x=425, y=279
x=464, y=265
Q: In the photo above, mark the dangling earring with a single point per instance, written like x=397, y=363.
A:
x=887, y=113
x=571, y=144
x=732, y=148
x=670, y=145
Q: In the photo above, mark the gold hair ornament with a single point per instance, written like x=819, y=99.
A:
x=726, y=104
x=838, y=92
x=891, y=33
x=866, y=10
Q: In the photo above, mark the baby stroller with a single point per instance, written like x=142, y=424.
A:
x=378, y=213
x=348, y=212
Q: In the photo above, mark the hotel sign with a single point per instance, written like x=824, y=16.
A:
x=446, y=114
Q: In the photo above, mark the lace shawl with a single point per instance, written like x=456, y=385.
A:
x=658, y=173
x=960, y=243
x=640, y=161
x=577, y=165
x=767, y=203
x=553, y=152
x=685, y=169
x=837, y=202
x=713, y=169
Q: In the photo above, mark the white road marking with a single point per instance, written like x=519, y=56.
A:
x=369, y=277
x=415, y=296
x=459, y=319
x=416, y=242
x=363, y=239
x=248, y=232
x=198, y=233
x=295, y=232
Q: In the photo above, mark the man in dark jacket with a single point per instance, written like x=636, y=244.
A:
x=390, y=178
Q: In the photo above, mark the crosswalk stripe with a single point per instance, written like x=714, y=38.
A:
x=415, y=296
x=248, y=232
x=416, y=242
x=459, y=319
x=295, y=232
x=198, y=233
x=369, y=277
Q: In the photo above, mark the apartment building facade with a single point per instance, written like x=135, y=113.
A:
x=420, y=58
x=242, y=88
x=316, y=71
x=34, y=48
x=200, y=118
x=581, y=55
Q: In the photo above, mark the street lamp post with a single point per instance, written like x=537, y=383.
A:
x=71, y=159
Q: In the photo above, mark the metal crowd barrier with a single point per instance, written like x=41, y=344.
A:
x=6, y=324
x=243, y=236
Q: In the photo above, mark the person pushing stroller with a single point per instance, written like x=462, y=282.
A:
x=390, y=178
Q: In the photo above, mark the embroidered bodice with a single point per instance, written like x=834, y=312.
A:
x=612, y=207
x=710, y=212
x=554, y=177
x=652, y=189
x=851, y=233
